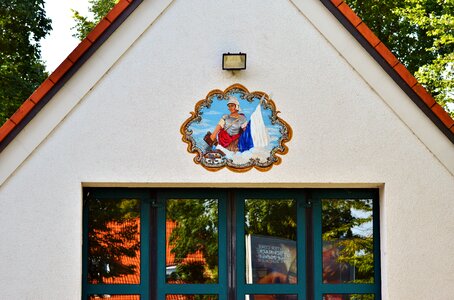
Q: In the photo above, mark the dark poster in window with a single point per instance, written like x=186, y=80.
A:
x=270, y=260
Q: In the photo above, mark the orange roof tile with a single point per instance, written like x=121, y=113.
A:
x=13, y=126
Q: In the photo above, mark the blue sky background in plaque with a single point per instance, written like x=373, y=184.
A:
x=211, y=116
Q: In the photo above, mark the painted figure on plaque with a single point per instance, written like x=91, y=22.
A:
x=231, y=128
x=235, y=133
x=249, y=135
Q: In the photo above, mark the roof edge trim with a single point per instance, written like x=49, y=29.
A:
x=391, y=65
x=81, y=53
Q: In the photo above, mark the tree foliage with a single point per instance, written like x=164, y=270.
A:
x=436, y=18
x=420, y=33
x=98, y=9
x=23, y=24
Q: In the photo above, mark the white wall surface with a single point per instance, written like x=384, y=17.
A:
x=117, y=122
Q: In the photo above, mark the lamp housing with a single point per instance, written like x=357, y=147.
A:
x=234, y=61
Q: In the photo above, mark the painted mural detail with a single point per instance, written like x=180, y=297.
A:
x=236, y=129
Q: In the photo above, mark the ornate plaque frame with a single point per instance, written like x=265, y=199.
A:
x=267, y=130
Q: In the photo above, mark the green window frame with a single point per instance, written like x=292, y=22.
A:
x=231, y=244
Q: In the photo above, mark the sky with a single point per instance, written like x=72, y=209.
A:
x=59, y=44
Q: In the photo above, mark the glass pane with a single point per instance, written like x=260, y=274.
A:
x=192, y=241
x=114, y=297
x=348, y=297
x=347, y=232
x=270, y=297
x=270, y=239
x=192, y=297
x=113, y=241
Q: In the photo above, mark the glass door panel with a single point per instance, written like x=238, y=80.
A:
x=348, y=241
x=116, y=244
x=113, y=241
x=346, y=244
x=270, y=245
x=270, y=241
x=192, y=241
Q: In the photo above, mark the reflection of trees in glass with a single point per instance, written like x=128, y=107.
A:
x=270, y=237
x=347, y=232
x=113, y=236
x=196, y=230
x=271, y=218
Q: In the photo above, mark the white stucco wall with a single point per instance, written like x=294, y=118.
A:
x=124, y=129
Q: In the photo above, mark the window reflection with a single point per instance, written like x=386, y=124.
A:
x=347, y=242
x=113, y=241
x=192, y=241
x=271, y=297
x=270, y=229
x=191, y=297
x=348, y=297
x=114, y=297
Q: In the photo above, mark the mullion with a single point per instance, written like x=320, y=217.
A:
x=161, y=246
x=317, y=248
x=240, y=249
x=376, y=232
x=85, y=247
x=302, y=244
x=147, y=225
x=309, y=248
x=231, y=212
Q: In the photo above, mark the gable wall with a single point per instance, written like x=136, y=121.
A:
x=126, y=131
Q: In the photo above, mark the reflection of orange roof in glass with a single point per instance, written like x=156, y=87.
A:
x=114, y=229
x=170, y=257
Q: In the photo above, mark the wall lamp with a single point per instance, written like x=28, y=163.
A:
x=234, y=61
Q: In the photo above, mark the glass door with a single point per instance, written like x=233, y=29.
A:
x=219, y=244
x=118, y=224
x=271, y=245
x=192, y=242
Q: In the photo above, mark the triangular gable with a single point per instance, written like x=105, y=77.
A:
x=395, y=69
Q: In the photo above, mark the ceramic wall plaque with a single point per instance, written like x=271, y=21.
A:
x=236, y=129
